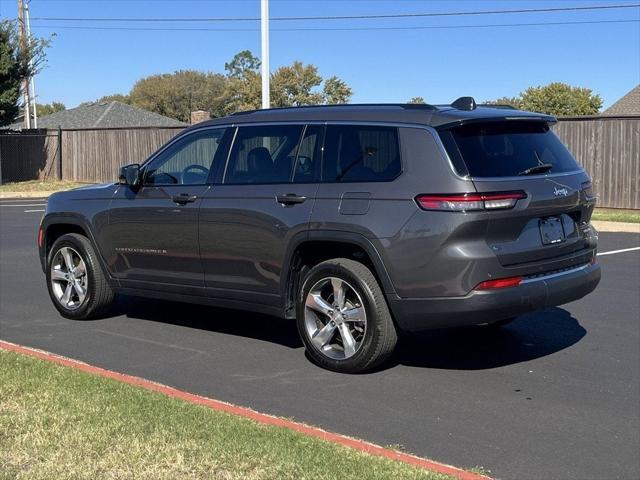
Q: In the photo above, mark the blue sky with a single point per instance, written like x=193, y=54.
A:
x=381, y=65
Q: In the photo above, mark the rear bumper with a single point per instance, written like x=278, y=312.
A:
x=493, y=305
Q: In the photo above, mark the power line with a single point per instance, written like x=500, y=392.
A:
x=340, y=17
x=429, y=27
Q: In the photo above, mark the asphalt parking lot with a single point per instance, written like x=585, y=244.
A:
x=554, y=395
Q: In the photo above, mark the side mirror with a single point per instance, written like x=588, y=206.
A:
x=130, y=175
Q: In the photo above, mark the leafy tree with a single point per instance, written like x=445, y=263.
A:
x=15, y=65
x=115, y=97
x=515, y=102
x=176, y=94
x=242, y=63
x=336, y=91
x=562, y=100
x=558, y=99
x=44, y=109
x=294, y=85
x=416, y=100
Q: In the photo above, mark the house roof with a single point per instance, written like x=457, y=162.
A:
x=104, y=115
x=627, y=105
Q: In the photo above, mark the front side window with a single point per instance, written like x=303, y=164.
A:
x=506, y=149
x=361, y=153
x=186, y=162
x=263, y=154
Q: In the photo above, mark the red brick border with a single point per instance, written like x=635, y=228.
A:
x=263, y=418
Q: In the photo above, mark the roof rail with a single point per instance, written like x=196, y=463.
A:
x=406, y=106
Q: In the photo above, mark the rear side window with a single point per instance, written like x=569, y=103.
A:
x=505, y=149
x=361, y=153
x=263, y=154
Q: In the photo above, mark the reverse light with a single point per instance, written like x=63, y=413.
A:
x=464, y=202
x=499, y=283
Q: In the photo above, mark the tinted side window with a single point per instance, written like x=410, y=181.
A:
x=307, y=167
x=186, y=162
x=263, y=154
x=360, y=153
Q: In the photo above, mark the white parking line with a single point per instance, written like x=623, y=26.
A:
x=29, y=211
x=619, y=251
x=24, y=205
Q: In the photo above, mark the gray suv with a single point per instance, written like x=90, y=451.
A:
x=357, y=221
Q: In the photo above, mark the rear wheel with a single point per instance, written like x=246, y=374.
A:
x=343, y=317
x=77, y=286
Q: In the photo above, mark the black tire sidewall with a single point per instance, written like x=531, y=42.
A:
x=76, y=242
x=364, y=353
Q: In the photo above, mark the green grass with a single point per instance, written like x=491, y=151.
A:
x=615, y=215
x=56, y=422
x=39, y=186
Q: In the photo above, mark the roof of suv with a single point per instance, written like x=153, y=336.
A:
x=424, y=114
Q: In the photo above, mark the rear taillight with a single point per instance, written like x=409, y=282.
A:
x=499, y=283
x=464, y=202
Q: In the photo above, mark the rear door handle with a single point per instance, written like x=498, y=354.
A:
x=290, y=199
x=184, y=198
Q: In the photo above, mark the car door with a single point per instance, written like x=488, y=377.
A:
x=265, y=198
x=153, y=231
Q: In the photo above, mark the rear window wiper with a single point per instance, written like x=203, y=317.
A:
x=542, y=168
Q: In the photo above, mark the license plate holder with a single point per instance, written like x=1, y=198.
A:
x=551, y=231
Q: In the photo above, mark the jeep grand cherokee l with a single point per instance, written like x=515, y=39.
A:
x=357, y=221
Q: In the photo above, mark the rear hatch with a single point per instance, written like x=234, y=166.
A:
x=551, y=224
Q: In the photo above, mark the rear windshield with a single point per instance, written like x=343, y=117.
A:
x=505, y=149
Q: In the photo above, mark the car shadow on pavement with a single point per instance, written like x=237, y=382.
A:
x=530, y=336
x=230, y=322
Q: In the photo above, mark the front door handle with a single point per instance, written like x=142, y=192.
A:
x=290, y=199
x=184, y=198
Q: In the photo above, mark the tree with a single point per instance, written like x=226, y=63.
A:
x=294, y=85
x=336, y=91
x=558, y=99
x=514, y=102
x=44, y=109
x=115, y=97
x=244, y=86
x=416, y=100
x=177, y=94
x=242, y=63
x=561, y=100
x=15, y=65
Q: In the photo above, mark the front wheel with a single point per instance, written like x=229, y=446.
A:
x=343, y=317
x=77, y=286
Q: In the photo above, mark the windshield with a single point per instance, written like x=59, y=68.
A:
x=505, y=149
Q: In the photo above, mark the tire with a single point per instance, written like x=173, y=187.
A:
x=323, y=332
x=98, y=295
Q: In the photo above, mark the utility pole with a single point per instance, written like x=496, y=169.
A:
x=32, y=81
x=264, y=30
x=23, y=50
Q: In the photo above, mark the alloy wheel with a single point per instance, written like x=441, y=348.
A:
x=69, y=278
x=335, y=318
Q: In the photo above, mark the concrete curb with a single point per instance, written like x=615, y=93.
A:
x=360, y=445
x=626, y=227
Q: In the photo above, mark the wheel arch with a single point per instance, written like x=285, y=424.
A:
x=313, y=247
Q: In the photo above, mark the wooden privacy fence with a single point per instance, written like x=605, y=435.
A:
x=608, y=147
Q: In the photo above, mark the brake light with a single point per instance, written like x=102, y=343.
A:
x=463, y=202
x=499, y=283
x=587, y=188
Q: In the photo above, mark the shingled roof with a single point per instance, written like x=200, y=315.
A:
x=627, y=105
x=104, y=115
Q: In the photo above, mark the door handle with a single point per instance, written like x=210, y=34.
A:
x=290, y=199
x=184, y=198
